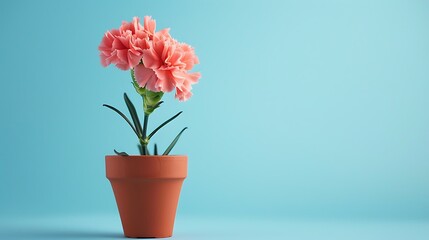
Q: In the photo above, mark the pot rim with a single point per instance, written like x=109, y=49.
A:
x=146, y=156
x=146, y=166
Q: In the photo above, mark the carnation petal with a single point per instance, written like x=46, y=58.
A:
x=122, y=55
x=183, y=95
x=149, y=25
x=122, y=66
x=166, y=81
x=145, y=77
x=151, y=59
x=133, y=59
x=103, y=60
x=194, y=77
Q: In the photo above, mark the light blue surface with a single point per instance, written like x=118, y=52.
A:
x=191, y=228
x=305, y=109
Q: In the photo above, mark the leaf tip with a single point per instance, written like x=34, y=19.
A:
x=120, y=153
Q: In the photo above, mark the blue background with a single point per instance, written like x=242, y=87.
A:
x=305, y=109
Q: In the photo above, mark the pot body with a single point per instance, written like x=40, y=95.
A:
x=147, y=190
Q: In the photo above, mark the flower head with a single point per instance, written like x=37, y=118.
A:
x=165, y=66
x=160, y=63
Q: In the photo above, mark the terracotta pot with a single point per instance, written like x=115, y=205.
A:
x=147, y=190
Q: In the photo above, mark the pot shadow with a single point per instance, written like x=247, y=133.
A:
x=64, y=234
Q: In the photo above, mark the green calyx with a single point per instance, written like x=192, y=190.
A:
x=151, y=100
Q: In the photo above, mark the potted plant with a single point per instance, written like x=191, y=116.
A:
x=147, y=186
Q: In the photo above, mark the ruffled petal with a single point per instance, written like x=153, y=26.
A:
x=183, y=95
x=151, y=59
x=165, y=82
x=145, y=77
x=149, y=26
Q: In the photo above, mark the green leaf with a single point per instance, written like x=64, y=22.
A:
x=120, y=153
x=123, y=116
x=134, y=115
x=145, y=122
x=155, y=149
x=167, y=151
x=163, y=124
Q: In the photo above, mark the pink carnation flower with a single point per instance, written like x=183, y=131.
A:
x=160, y=62
x=124, y=46
x=165, y=66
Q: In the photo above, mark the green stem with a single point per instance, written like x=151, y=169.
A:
x=144, y=141
x=142, y=148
